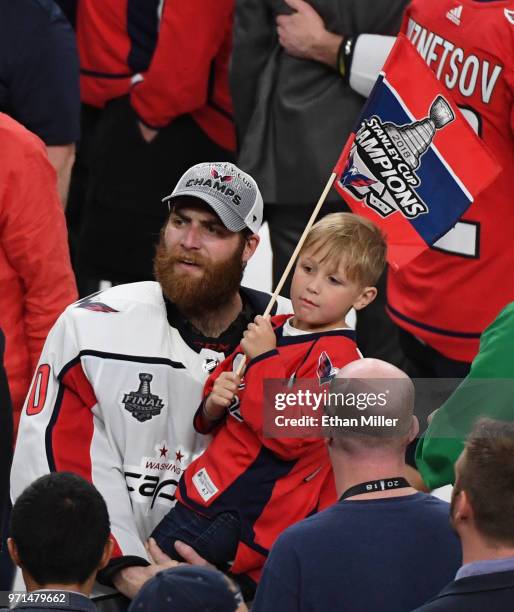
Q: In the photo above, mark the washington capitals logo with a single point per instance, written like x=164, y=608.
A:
x=88, y=303
x=142, y=404
x=326, y=371
x=224, y=179
x=352, y=176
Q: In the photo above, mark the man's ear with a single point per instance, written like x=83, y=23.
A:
x=251, y=244
x=463, y=510
x=107, y=553
x=367, y=295
x=13, y=551
x=414, y=428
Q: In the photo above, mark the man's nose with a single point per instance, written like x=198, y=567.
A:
x=191, y=238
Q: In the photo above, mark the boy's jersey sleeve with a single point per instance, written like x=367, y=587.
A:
x=63, y=428
x=272, y=365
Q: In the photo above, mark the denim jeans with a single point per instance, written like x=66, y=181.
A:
x=215, y=539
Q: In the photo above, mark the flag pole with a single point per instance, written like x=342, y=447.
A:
x=290, y=264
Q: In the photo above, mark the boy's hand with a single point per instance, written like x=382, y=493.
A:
x=258, y=338
x=219, y=399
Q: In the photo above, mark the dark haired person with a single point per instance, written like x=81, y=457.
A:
x=482, y=514
x=389, y=548
x=59, y=537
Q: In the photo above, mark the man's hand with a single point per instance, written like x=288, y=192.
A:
x=222, y=394
x=189, y=554
x=129, y=580
x=258, y=338
x=147, y=133
x=303, y=35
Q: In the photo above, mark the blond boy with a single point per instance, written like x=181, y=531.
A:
x=236, y=498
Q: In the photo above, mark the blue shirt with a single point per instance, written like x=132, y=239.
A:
x=390, y=554
x=489, y=566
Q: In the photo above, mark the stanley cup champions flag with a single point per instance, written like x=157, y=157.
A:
x=413, y=165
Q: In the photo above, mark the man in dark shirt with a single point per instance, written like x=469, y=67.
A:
x=383, y=546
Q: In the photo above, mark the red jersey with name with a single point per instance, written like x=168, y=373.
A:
x=270, y=482
x=452, y=292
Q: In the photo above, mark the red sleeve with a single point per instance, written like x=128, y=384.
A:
x=271, y=365
x=202, y=425
x=191, y=33
x=34, y=239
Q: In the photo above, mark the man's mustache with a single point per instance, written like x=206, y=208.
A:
x=179, y=257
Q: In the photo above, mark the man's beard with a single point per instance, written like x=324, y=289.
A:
x=197, y=295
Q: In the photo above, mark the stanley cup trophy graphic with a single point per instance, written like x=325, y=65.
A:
x=414, y=139
x=144, y=385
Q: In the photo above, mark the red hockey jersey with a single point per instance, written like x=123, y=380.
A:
x=270, y=482
x=172, y=57
x=452, y=292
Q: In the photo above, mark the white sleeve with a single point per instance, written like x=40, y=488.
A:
x=62, y=428
x=369, y=55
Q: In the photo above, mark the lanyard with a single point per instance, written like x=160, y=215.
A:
x=373, y=486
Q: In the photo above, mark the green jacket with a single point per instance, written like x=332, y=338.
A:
x=481, y=393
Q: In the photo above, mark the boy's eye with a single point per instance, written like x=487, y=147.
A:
x=334, y=280
x=306, y=267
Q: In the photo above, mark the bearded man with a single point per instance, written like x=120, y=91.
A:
x=122, y=371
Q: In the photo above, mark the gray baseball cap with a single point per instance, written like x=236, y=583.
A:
x=230, y=192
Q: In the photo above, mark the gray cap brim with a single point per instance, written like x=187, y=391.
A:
x=230, y=220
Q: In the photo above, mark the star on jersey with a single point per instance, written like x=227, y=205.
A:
x=179, y=456
x=163, y=450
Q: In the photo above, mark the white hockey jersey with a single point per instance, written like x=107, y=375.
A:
x=113, y=400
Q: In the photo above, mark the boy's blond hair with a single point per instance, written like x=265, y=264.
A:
x=352, y=240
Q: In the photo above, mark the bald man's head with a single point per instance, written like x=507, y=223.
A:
x=371, y=405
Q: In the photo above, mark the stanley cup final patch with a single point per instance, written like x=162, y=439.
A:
x=143, y=404
x=204, y=485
